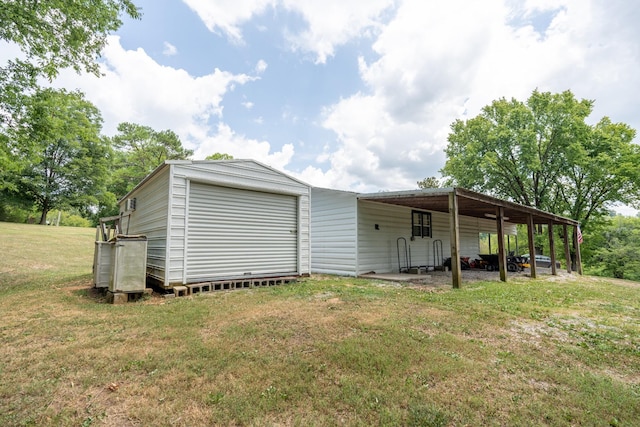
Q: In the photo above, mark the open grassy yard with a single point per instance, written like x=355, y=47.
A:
x=323, y=351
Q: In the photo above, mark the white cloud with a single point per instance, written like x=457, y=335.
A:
x=330, y=23
x=169, y=49
x=227, y=141
x=261, y=66
x=439, y=61
x=136, y=88
x=228, y=15
x=377, y=151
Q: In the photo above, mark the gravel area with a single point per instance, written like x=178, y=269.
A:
x=443, y=278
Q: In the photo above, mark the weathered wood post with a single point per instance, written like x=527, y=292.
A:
x=567, y=251
x=552, y=248
x=577, y=248
x=456, y=273
x=532, y=249
x=502, y=255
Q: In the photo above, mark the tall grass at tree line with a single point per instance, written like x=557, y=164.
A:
x=557, y=351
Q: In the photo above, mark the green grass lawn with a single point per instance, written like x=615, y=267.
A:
x=324, y=351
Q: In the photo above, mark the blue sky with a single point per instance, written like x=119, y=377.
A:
x=356, y=94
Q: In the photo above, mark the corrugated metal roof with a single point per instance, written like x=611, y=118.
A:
x=470, y=203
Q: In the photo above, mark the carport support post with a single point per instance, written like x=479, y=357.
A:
x=577, y=248
x=552, y=248
x=456, y=273
x=567, y=252
x=532, y=249
x=502, y=255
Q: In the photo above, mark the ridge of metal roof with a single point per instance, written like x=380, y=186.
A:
x=169, y=163
x=407, y=193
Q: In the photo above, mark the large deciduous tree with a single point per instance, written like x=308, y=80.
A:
x=63, y=159
x=543, y=153
x=52, y=35
x=612, y=248
x=138, y=151
x=56, y=34
x=601, y=170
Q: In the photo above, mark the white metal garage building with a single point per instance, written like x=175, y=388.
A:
x=208, y=221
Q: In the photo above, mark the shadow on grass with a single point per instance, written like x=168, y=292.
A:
x=100, y=295
x=90, y=294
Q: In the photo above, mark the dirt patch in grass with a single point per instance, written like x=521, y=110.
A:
x=535, y=332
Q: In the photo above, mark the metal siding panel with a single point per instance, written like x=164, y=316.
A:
x=150, y=219
x=237, y=232
x=490, y=226
x=185, y=238
x=378, y=249
x=304, y=249
x=170, y=222
x=333, y=232
x=442, y=231
x=469, y=237
x=178, y=209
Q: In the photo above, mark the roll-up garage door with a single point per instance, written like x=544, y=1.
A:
x=235, y=233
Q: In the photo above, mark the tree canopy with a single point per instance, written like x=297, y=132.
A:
x=52, y=35
x=60, y=156
x=612, y=248
x=219, y=156
x=138, y=151
x=430, y=182
x=543, y=153
x=56, y=34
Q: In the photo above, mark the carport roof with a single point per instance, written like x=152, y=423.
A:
x=470, y=203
